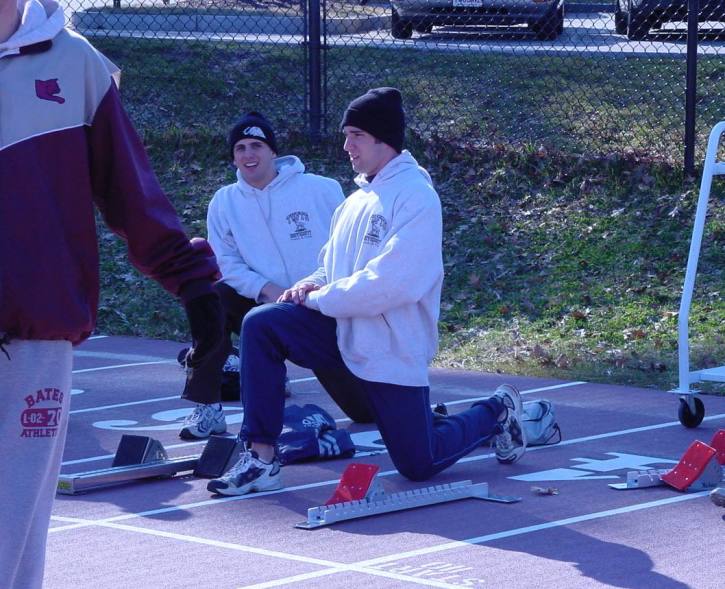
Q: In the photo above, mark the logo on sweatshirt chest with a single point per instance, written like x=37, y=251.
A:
x=377, y=228
x=41, y=418
x=49, y=90
x=299, y=221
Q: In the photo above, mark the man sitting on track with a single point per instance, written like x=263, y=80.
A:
x=370, y=311
x=266, y=230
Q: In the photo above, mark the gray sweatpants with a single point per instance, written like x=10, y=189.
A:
x=35, y=389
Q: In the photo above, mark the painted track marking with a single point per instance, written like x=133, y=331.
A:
x=297, y=380
x=365, y=565
x=222, y=500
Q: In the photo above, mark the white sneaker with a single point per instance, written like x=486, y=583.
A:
x=204, y=421
x=510, y=444
x=249, y=474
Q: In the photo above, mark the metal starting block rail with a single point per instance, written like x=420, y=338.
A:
x=141, y=457
x=71, y=484
x=376, y=501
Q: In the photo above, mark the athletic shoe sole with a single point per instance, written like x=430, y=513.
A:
x=187, y=434
x=253, y=487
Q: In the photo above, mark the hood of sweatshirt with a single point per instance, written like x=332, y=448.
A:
x=287, y=167
x=401, y=164
x=40, y=22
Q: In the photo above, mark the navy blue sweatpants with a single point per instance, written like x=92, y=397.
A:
x=419, y=445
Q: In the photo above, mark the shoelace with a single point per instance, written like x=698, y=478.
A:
x=197, y=415
x=504, y=441
x=244, y=459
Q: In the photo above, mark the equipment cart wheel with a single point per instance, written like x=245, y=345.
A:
x=687, y=417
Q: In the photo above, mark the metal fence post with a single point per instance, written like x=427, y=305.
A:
x=315, y=68
x=693, y=9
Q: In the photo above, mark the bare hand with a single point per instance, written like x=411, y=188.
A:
x=298, y=293
x=270, y=293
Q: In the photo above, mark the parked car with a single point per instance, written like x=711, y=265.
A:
x=544, y=17
x=635, y=18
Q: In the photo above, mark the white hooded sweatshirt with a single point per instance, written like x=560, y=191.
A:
x=39, y=21
x=382, y=274
x=274, y=234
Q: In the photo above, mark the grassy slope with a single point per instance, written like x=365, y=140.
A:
x=556, y=262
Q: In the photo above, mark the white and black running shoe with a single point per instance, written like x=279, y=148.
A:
x=204, y=421
x=510, y=444
x=248, y=475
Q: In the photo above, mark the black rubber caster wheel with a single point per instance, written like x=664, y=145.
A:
x=689, y=419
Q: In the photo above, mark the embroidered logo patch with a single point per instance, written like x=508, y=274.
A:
x=378, y=226
x=48, y=90
x=299, y=219
x=41, y=419
x=255, y=132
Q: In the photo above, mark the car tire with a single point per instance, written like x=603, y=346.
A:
x=551, y=26
x=620, y=19
x=637, y=26
x=399, y=28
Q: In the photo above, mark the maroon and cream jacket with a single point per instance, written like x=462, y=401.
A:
x=66, y=144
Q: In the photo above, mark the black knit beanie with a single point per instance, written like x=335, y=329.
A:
x=379, y=112
x=253, y=125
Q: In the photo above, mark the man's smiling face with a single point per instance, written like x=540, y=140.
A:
x=255, y=161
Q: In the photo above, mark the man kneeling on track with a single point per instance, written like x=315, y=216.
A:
x=370, y=311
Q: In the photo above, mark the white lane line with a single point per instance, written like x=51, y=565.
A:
x=106, y=456
x=128, y=404
x=535, y=528
x=296, y=380
x=97, y=337
x=365, y=566
x=220, y=500
x=331, y=566
x=155, y=399
x=524, y=392
x=206, y=541
x=99, y=368
x=584, y=439
x=116, y=356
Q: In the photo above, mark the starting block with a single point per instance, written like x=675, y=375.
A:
x=359, y=494
x=141, y=457
x=718, y=443
x=699, y=469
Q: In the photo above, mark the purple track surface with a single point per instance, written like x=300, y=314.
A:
x=173, y=533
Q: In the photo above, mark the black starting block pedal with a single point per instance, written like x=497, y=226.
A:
x=141, y=457
x=219, y=454
x=134, y=450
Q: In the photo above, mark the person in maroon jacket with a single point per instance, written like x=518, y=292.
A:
x=66, y=144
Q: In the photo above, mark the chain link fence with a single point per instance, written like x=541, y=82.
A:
x=572, y=75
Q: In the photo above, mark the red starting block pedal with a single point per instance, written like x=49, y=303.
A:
x=695, y=470
x=718, y=442
x=357, y=482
